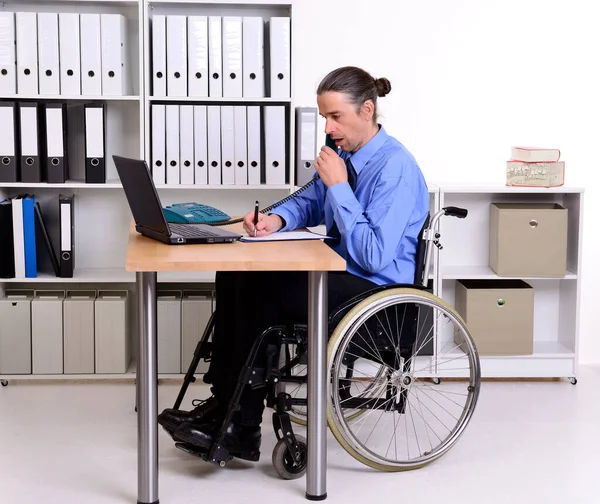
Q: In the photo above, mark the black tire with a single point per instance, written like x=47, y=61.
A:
x=283, y=463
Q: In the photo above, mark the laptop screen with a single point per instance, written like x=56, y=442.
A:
x=141, y=194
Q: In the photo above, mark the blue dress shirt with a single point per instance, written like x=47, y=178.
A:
x=380, y=222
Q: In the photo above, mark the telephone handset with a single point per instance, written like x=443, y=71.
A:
x=329, y=142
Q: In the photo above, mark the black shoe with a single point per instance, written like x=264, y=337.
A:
x=240, y=440
x=171, y=419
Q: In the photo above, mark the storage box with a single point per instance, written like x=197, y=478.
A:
x=112, y=346
x=47, y=332
x=78, y=310
x=528, y=239
x=15, y=332
x=196, y=309
x=169, y=331
x=499, y=315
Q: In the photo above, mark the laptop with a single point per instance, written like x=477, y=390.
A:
x=148, y=214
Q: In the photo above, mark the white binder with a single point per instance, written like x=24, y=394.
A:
x=70, y=54
x=115, y=63
x=8, y=77
x=172, y=144
x=158, y=144
x=254, y=57
x=215, y=54
x=200, y=145
x=27, y=56
x=240, y=146
x=214, y=144
x=159, y=55
x=91, y=55
x=186, y=143
x=227, y=145
x=177, y=55
x=306, y=143
x=198, y=56
x=275, y=144
x=279, y=50
x=254, y=145
x=48, y=53
x=232, y=57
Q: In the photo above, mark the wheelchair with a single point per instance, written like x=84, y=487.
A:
x=386, y=405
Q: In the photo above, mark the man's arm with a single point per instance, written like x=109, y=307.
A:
x=305, y=209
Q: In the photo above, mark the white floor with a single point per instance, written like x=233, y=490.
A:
x=529, y=442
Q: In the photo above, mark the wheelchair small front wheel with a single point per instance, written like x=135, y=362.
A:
x=284, y=462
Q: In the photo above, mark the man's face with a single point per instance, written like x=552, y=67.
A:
x=348, y=128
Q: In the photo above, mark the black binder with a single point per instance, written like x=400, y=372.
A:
x=95, y=143
x=56, y=162
x=66, y=216
x=7, y=247
x=9, y=143
x=33, y=145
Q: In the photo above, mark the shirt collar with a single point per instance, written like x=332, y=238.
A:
x=366, y=152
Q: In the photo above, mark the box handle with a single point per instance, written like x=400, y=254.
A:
x=533, y=223
x=500, y=302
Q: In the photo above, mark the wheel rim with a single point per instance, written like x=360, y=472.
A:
x=433, y=416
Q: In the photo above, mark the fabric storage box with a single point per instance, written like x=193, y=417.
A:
x=499, y=315
x=15, y=332
x=47, y=332
x=78, y=312
x=196, y=309
x=169, y=331
x=528, y=239
x=112, y=347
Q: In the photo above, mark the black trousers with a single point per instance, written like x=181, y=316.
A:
x=247, y=304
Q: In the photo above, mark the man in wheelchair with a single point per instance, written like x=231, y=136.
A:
x=373, y=198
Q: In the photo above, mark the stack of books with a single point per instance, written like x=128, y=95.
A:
x=535, y=167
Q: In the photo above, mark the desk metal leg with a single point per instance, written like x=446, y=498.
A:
x=147, y=389
x=316, y=470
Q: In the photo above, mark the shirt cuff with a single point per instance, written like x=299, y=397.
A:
x=288, y=218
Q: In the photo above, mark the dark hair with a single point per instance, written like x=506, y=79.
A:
x=358, y=84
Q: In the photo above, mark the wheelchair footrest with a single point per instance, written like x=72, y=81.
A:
x=218, y=456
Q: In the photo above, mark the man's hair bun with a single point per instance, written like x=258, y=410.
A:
x=383, y=86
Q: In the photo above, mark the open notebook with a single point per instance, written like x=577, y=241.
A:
x=286, y=236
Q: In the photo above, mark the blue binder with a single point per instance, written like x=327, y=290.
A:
x=29, y=236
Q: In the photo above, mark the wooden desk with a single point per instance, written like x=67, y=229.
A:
x=146, y=257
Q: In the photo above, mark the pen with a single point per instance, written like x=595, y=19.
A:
x=255, y=216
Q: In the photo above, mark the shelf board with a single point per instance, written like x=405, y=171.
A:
x=217, y=100
x=81, y=98
x=70, y=184
x=495, y=188
x=225, y=187
x=486, y=273
x=541, y=350
x=230, y=2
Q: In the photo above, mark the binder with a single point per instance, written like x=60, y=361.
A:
x=112, y=349
x=306, y=143
x=48, y=53
x=169, y=332
x=186, y=144
x=275, y=144
x=91, y=55
x=253, y=57
x=240, y=145
x=27, y=53
x=214, y=144
x=56, y=163
x=279, y=52
x=9, y=146
x=115, y=60
x=66, y=216
x=227, y=146
x=8, y=57
x=7, y=244
x=159, y=55
x=215, y=55
x=69, y=54
x=158, y=144
x=47, y=332
x=232, y=56
x=200, y=146
x=172, y=144
x=29, y=238
x=254, y=145
x=198, y=56
x=18, y=236
x=32, y=128
x=43, y=236
x=95, y=143
x=78, y=348
x=177, y=55
x=15, y=332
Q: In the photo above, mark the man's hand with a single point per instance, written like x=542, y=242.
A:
x=267, y=224
x=331, y=167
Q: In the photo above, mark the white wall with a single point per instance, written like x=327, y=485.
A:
x=470, y=78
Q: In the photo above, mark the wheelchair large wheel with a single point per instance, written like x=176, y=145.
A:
x=407, y=421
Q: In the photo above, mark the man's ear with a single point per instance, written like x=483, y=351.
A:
x=367, y=110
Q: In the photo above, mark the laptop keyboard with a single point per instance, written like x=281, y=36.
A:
x=189, y=231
